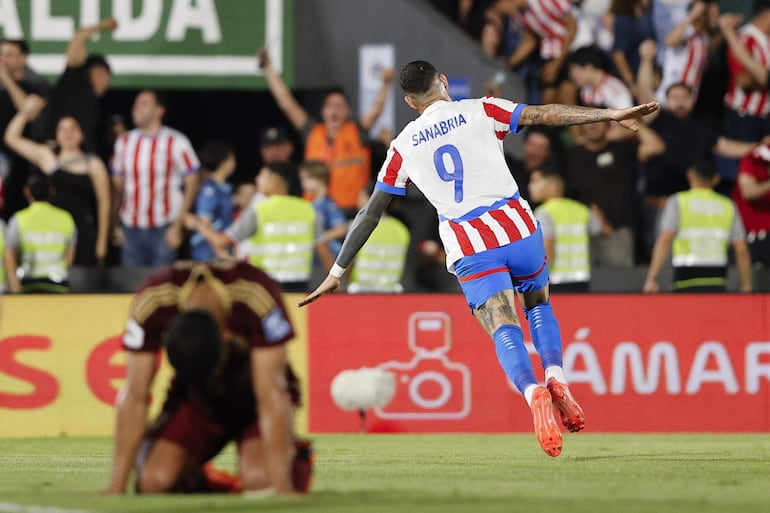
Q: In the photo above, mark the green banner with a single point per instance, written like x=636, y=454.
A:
x=161, y=43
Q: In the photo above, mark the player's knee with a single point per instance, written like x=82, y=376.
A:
x=156, y=480
x=535, y=297
x=254, y=478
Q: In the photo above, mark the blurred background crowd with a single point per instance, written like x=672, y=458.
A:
x=129, y=178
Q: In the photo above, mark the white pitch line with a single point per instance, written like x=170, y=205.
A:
x=12, y=507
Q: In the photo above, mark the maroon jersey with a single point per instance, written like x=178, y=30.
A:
x=253, y=299
x=257, y=317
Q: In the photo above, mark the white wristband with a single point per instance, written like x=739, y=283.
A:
x=337, y=271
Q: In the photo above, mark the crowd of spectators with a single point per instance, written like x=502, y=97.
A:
x=129, y=190
x=705, y=61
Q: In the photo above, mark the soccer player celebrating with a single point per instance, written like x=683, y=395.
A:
x=453, y=153
x=224, y=328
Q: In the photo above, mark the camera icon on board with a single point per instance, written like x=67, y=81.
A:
x=430, y=385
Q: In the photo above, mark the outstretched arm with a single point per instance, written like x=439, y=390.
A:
x=39, y=154
x=280, y=91
x=76, y=50
x=370, y=118
x=556, y=114
x=645, y=76
x=363, y=225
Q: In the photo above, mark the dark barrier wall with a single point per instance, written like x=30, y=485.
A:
x=116, y=279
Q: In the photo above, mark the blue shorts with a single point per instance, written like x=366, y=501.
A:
x=521, y=266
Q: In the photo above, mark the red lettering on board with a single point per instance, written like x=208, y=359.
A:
x=46, y=388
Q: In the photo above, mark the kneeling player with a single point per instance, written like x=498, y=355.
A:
x=224, y=327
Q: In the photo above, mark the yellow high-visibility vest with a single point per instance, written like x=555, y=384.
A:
x=379, y=264
x=571, y=241
x=703, y=236
x=283, y=244
x=45, y=234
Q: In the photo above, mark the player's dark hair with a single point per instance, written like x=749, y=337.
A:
x=588, y=55
x=96, y=60
x=40, y=187
x=705, y=169
x=418, y=77
x=21, y=43
x=193, y=344
x=213, y=153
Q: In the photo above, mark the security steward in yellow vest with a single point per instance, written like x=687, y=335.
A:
x=280, y=229
x=40, y=243
x=379, y=264
x=701, y=225
x=567, y=226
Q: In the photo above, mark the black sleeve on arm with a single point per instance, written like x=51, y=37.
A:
x=362, y=227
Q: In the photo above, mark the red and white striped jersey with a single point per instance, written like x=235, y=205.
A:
x=546, y=19
x=611, y=92
x=153, y=168
x=752, y=102
x=453, y=153
x=684, y=64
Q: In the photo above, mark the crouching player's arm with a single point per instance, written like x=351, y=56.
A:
x=131, y=421
x=268, y=364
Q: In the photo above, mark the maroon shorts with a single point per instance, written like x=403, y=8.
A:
x=201, y=437
x=204, y=439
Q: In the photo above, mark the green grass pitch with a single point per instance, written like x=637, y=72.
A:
x=432, y=473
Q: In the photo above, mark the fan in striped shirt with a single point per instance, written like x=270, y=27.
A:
x=549, y=26
x=687, y=48
x=150, y=165
x=747, y=116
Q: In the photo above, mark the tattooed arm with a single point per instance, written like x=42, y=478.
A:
x=556, y=114
x=363, y=225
